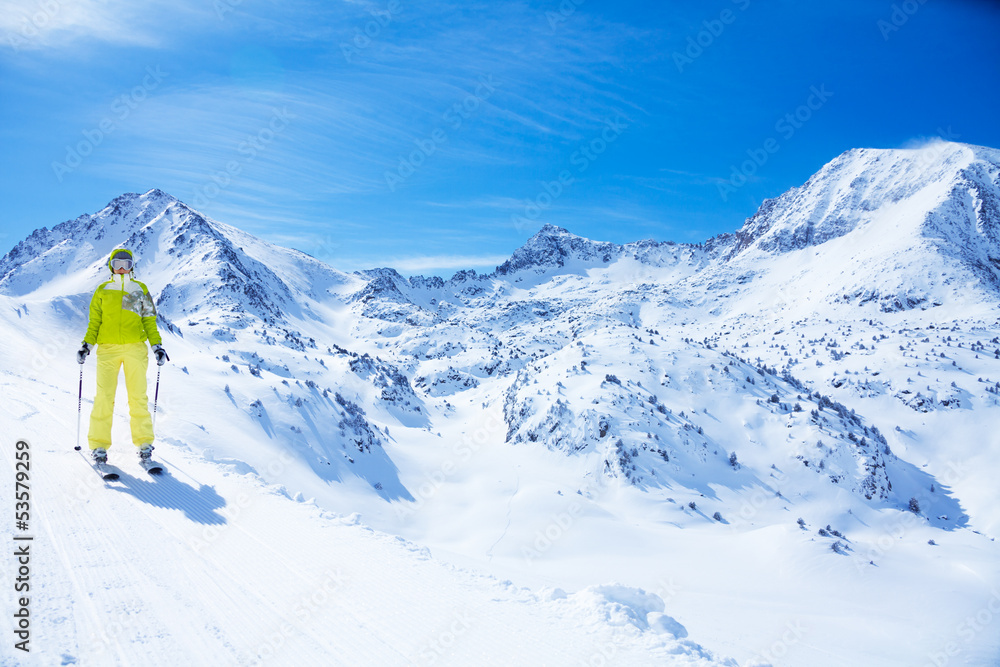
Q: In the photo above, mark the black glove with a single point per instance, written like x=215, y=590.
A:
x=81, y=354
x=161, y=355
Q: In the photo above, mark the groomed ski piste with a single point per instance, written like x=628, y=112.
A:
x=654, y=453
x=204, y=565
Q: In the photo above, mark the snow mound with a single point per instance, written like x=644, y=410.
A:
x=620, y=615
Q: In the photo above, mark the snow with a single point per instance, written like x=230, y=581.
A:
x=211, y=566
x=534, y=466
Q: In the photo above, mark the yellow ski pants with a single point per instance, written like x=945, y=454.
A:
x=110, y=359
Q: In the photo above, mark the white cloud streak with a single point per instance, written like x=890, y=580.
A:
x=63, y=24
x=406, y=264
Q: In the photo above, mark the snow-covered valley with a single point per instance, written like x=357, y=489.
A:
x=778, y=446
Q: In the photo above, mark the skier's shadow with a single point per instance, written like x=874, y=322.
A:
x=166, y=491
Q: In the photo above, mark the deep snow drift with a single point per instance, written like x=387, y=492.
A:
x=778, y=446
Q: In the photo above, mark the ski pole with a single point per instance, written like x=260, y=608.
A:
x=156, y=395
x=79, y=409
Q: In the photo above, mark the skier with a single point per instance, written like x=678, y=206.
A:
x=122, y=318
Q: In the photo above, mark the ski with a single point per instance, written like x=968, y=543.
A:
x=107, y=472
x=152, y=467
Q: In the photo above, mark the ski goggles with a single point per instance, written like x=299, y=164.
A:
x=121, y=261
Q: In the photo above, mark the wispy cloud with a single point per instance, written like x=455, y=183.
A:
x=60, y=24
x=353, y=125
x=327, y=248
x=445, y=262
x=679, y=176
x=427, y=99
x=480, y=203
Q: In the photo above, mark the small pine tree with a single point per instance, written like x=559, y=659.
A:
x=717, y=516
x=914, y=506
x=732, y=460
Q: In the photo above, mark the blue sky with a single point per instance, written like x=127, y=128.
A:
x=433, y=136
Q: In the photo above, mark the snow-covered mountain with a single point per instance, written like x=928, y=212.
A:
x=789, y=426
x=897, y=228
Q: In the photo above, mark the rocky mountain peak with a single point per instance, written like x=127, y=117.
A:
x=552, y=247
x=862, y=186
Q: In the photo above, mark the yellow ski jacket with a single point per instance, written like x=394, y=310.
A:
x=122, y=311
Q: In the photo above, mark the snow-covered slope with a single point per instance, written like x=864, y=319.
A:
x=208, y=565
x=709, y=431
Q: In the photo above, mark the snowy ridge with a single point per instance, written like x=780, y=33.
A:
x=643, y=441
x=686, y=437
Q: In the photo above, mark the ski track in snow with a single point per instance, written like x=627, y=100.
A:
x=517, y=485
